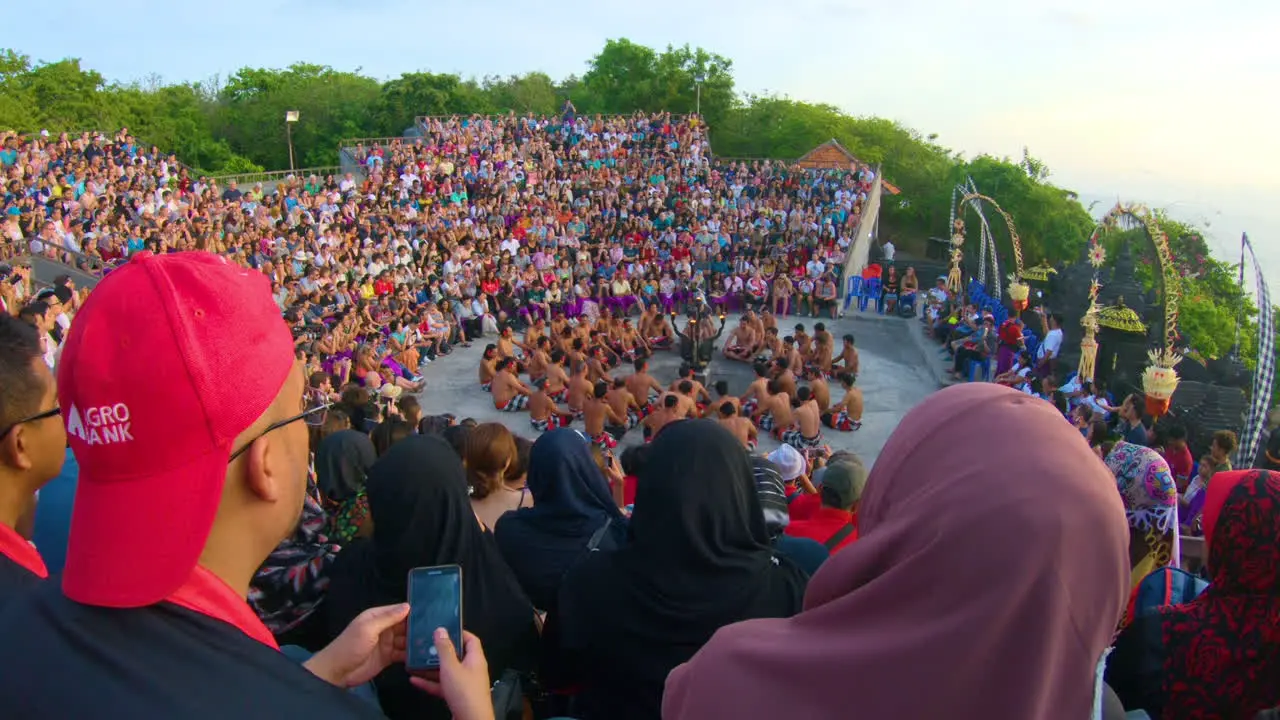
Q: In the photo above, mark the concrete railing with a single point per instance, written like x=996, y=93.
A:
x=860, y=248
x=85, y=270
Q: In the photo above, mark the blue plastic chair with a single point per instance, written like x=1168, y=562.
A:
x=870, y=291
x=976, y=366
x=853, y=291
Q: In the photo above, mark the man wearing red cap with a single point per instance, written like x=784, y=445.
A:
x=32, y=448
x=184, y=406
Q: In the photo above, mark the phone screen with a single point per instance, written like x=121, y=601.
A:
x=435, y=600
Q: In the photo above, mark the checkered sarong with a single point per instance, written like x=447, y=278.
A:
x=1263, y=374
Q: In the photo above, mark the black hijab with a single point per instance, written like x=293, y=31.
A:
x=342, y=460
x=699, y=558
x=422, y=517
x=571, y=503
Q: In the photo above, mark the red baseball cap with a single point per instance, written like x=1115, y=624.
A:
x=170, y=358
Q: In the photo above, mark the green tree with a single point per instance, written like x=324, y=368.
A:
x=239, y=126
x=332, y=105
x=531, y=93
x=621, y=79
x=412, y=95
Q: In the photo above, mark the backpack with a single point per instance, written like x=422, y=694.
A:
x=1162, y=588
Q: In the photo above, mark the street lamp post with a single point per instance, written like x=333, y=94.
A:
x=697, y=83
x=290, y=117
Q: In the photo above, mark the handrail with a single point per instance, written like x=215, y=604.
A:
x=377, y=141
x=276, y=175
x=513, y=113
x=79, y=255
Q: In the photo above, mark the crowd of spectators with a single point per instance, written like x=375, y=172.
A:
x=245, y=514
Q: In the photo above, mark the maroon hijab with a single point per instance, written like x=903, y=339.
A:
x=989, y=574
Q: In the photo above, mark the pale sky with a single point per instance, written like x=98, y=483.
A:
x=1168, y=103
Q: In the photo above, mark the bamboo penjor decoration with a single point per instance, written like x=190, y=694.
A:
x=1159, y=380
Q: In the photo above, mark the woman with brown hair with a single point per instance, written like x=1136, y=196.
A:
x=490, y=453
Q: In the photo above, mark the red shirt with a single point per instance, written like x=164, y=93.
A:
x=383, y=287
x=208, y=595
x=1180, y=464
x=21, y=552
x=823, y=525
x=1010, y=333
x=629, y=490
x=804, y=506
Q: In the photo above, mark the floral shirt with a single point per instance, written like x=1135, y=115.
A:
x=346, y=518
x=294, y=579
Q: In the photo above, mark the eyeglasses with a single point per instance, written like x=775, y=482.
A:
x=33, y=418
x=306, y=413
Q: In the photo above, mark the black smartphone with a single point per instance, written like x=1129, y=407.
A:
x=435, y=601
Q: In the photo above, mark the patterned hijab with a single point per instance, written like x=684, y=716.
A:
x=1150, y=502
x=1220, y=652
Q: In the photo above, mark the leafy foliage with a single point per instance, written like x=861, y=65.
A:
x=239, y=126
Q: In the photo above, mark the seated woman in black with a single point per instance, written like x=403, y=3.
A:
x=573, y=513
x=890, y=289
x=699, y=559
x=422, y=517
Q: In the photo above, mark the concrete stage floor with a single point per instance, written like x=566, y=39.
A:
x=897, y=372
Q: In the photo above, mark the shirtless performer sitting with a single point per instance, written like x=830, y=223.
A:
x=722, y=396
x=509, y=394
x=741, y=343
x=632, y=343
x=658, y=332
x=540, y=358
x=598, y=346
x=689, y=404
x=508, y=348
x=821, y=360
x=557, y=378
x=580, y=388
x=624, y=403
x=544, y=414
x=847, y=360
x=643, y=385
x=772, y=344
x=604, y=426
x=741, y=427
x=786, y=379
x=666, y=412
x=775, y=408
x=803, y=341
x=819, y=330
x=488, y=366
x=756, y=391
x=820, y=389
x=805, y=434
x=846, y=415
x=597, y=367
x=698, y=393
x=790, y=353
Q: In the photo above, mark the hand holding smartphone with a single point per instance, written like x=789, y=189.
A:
x=435, y=601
